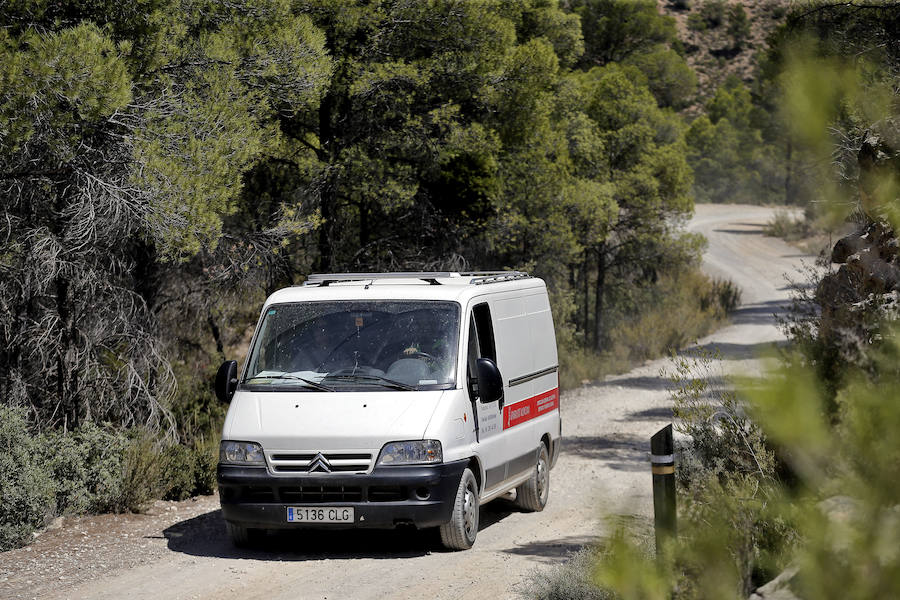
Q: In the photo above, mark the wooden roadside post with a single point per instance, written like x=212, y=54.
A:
x=662, y=465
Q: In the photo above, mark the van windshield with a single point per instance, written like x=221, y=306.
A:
x=351, y=345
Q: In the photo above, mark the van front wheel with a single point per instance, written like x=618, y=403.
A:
x=532, y=495
x=242, y=536
x=460, y=532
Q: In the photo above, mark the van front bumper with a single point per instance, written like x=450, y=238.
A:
x=420, y=495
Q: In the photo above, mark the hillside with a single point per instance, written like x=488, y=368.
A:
x=714, y=46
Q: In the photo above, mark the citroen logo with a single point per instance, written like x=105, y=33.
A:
x=319, y=463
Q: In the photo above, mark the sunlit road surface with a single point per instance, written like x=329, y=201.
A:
x=180, y=550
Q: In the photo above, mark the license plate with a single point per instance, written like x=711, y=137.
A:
x=319, y=514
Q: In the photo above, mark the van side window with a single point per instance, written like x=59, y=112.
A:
x=482, y=317
x=481, y=344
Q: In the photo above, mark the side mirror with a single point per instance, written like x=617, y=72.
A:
x=490, y=383
x=226, y=380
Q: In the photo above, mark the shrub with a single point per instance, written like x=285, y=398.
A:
x=720, y=438
x=26, y=488
x=667, y=316
x=580, y=365
x=783, y=225
x=727, y=476
x=101, y=451
x=738, y=24
x=141, y=469
x=571, y=580
x=196, y=410
x=679, y=309
x=776, y=9
x=188, y=471
x=713, y=13
x=696, y=22
x=64, y=458
x=99, y=469
x=92, y=469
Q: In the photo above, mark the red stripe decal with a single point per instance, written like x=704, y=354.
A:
x=524, y=410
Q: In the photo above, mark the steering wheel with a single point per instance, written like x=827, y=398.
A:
x=419, y=354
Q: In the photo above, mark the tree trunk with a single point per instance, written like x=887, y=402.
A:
x=217, y=335
x=586, y=297
x=789, y=174
x=598, y=300
x=63, y=397
x=364, y=232
x=328, y=195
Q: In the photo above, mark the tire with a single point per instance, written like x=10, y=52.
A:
x=241, y=536
x=533, y=494
x=460, y=532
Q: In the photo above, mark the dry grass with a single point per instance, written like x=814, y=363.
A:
x=679, y=310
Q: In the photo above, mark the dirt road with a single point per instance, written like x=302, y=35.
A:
x=180, y=551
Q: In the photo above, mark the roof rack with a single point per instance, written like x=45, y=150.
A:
x=431, y=277
x=483, y=277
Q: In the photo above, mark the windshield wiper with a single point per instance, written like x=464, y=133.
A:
x=399, y=385
x=308, y=382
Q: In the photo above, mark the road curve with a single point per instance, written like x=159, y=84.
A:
x=178, y=550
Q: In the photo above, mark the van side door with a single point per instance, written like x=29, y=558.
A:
x=489, y=420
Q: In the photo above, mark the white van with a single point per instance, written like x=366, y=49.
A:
x=378, y=400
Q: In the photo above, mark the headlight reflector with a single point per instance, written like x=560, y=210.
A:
x=413, y=452
x=241, y=453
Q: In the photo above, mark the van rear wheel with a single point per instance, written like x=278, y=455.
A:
x=460, y=532
x=532, y=495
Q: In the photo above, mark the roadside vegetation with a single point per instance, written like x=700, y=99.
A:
x=164, y=165
x=788, y=485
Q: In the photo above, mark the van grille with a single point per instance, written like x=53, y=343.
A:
x=320, y=493
x=252, y=493
x=336, y=462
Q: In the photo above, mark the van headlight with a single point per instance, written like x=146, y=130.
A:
x=414, y=452
x=241, y=453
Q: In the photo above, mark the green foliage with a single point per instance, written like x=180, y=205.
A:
x=667, y=316
x=721, y=439
x=738, y=24
x=125, y=134
x=92, y=469
x=628, y=571
x=676, y=311
x=55, y=82
x=853, y=458
x=849, y=107
x=579, y=365
x=834, y=94
x=26, y=487
x=669, y=77
x=196, y=410
x=563, y=30
x=800, y=467
x=734, y=536
x=638, y=154
x=712, y=12
x=617, y=29
x=188, y=471
x=98, y=469
x=696, y=22
x=731, y=160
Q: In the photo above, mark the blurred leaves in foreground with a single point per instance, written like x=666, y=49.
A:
x=822, y=508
